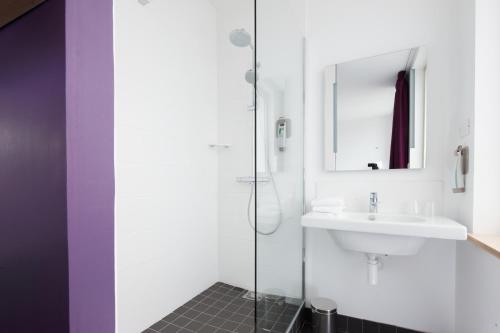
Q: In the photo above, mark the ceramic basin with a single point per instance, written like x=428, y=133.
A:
x=384, y=234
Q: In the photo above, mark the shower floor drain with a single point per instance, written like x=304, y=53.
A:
x=252, y=295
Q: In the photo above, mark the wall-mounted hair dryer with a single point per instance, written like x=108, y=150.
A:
x=283, y=132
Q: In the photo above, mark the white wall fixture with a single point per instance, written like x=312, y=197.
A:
x=461, y=168
x=384, y=234
x=219, y=145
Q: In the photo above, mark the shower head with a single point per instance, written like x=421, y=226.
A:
x=240, y=38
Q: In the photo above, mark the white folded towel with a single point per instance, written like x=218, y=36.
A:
x=329, y=210
x=328, y=202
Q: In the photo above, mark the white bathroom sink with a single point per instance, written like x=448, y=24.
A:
x=386, y=234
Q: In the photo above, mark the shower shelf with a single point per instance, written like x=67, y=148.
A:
x=219, y=145
x=251, y=179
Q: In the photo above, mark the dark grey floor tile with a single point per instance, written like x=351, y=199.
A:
x=225, y=314
x=216, y=321
x=201, y=307
x=194, y=326
x=181, y=321
x=244, y=311
x=265, y=324
x=183, y=330
x=234, y=293
x=207, y=329
x=158, y=325
x=249, y=304
x=279, y=328
x=260, y=314
x=208, y=301
x=212, y=311
x=191, y=314
x=221, y=330
x=218, y=294
x=170, y=317
x=170, y=329
x=405, y=330
x=285, y=318
x=250, y=321
x=341, y=322
x=276, y=308
x=226, y=298
x=181, y=310
x=230, y=325
x=273, y=316
x=232, y=307
x=190, y=304
x=261, y=306
x=370, y=327
x=203, y=318
x=244, y=329
x=237, y=318
x=262, y=330
x=219, y=304
x=212, y=298
x=238, y=301
x=148, y=330
x=198, y=298
x=354, y=325
x=387, y=328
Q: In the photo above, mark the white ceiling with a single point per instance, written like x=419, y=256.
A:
x=366, y=87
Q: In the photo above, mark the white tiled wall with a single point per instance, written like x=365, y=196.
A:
x=478, y=291
x=166, y=175
x=478, y=272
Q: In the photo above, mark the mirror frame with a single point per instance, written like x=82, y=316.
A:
x=330, y=115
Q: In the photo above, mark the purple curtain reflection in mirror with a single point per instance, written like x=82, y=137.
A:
x=400, y=155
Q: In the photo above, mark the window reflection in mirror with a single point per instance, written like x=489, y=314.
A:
x=375, y=110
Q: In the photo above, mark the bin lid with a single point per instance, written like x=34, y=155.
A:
x=323, y=305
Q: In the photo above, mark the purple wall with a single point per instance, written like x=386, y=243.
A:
x=89, y=114
x=33, y=235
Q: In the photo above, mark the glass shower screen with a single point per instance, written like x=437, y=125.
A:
x=278, y=162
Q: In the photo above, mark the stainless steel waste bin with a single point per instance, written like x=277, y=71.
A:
x=324, y=313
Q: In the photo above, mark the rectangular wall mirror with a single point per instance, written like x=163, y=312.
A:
x=375, y=112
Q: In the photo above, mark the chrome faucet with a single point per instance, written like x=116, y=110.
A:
x=373, y=203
